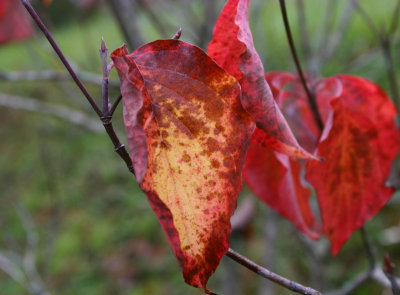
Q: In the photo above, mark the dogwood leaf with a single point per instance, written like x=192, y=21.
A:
x=232, y=48
x=184, y=119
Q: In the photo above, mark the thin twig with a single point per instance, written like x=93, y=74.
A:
x=122, y=10
x=284, y=282
x=106, y=116
x=311, y=97
x=115, y=105
x=384, y=39
x=328, y=18
x=52, y=75
x=376, y=274
x=62, y=112
x=154, y=20
x=104, y=84
x=369, y=249
x=46, y=32
x=328, y=47
x=367, y=19
x=395, y=19
x=390, y=271
x=353, y=285
x=305, y=39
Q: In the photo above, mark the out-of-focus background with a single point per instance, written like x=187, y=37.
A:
x=73, y=220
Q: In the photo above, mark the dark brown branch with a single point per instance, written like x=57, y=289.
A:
x=53, y=43
x=310, y=95
x=284, y=282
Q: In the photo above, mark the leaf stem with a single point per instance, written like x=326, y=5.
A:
x=310, y=95
x=284, y=282
x=58, y=51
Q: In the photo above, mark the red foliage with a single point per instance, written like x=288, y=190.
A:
x=15, y=23
x=359, y=142
x=232, y=48
x=189, y=124
x=275, y=179
x=188, y=135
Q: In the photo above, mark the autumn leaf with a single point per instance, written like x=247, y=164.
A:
x=232, y=48
x=14, y=22
x=275, y=179
x=187, y=112
x=359, y=142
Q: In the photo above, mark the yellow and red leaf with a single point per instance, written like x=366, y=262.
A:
x=184, y=118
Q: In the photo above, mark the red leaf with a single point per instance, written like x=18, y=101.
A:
x=187, y=110
x=15, y=23
x=292, y=100
x=275, y=179
x=359, y=142
x=232, y=48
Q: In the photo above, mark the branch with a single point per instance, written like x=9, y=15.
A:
x=12, y=269
x=62, y=112
x=51, y=75
x=353, y=285
x=284, y=282
x=390, y=272
x=369, y=249
x=311, y=97
x=121, y=10
x=154, y=20
x=328, y=47
x=384, y=40
x=305, y=39
x=53, y=43
x=105, y=117
x=376, y=274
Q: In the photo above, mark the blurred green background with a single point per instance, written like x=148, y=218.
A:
x=74, y=221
